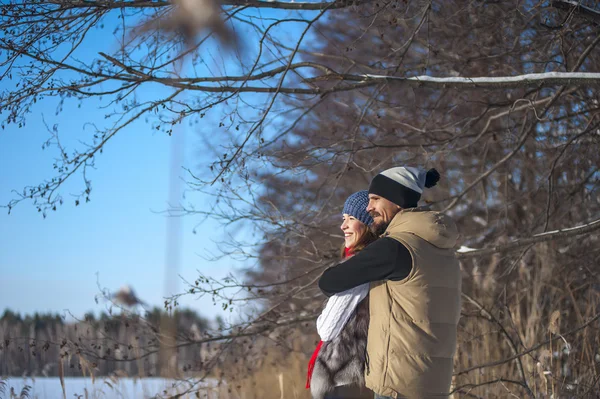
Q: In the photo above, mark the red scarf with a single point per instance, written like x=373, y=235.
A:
x=311, y=364
x=348, y=252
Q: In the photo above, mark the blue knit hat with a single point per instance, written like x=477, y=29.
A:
x=356, y=206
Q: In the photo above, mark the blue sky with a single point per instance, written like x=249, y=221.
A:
x=120, y=237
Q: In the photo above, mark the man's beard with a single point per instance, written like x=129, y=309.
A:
x=378, y=228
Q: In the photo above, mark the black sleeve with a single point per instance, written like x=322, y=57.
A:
x=385, y=259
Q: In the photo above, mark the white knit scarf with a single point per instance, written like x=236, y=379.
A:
x=338, y=310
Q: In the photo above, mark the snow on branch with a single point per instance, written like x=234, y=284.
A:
x=466, y=252
x=531, y=79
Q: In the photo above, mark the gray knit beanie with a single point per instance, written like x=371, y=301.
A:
x=403, y=185
x=356, y=206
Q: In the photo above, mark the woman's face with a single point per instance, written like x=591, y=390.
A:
x=353, y=229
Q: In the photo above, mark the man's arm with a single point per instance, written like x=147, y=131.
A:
x=385, y=259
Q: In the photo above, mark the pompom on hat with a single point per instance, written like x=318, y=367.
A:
x=356, y=206
x=403, y=185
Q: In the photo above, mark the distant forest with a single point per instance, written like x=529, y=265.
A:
x=33, y=345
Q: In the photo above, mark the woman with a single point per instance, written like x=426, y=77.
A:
x=339, y=360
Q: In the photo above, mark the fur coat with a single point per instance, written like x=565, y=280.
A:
x=342, y=360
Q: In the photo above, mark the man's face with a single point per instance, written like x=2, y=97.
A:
x=382, y=211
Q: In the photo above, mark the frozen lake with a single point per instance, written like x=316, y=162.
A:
x=104, y=387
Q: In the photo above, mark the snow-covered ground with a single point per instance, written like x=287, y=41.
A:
x=104, y=388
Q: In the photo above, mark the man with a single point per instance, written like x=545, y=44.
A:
x=414, y=303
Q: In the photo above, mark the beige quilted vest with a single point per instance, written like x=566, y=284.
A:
x=412, y=332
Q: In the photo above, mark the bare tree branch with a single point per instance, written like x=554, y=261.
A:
x=590, y=13
x=318, y=6
x=463, y=253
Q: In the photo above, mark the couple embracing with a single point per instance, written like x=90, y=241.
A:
x=394, y=301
